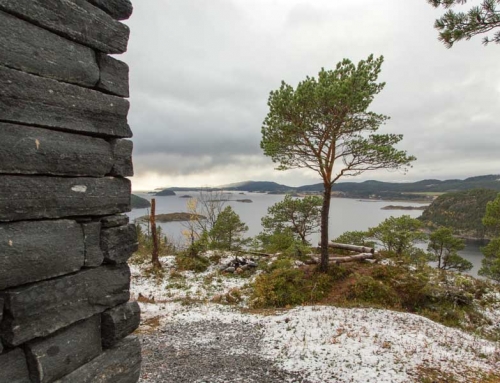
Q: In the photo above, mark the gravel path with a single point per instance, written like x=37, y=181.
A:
x=208, y=352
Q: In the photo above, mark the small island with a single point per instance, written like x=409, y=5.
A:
x=244, y=200
x=173, y=217
x=185, y=196
x=137, y=202
x=165, y=193
x=398, y=207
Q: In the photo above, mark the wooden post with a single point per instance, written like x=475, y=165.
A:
x=154, y=256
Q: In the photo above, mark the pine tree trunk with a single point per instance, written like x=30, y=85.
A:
x=303, y=238
x=154, y=256
x=325, y=212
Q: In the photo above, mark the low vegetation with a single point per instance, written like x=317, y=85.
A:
x=145, y=239
x=197, y=263
x=286, y=285
x=446, y=297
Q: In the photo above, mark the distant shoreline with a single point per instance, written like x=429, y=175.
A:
x=173, y=217
x=301, y=195
x=398, y=207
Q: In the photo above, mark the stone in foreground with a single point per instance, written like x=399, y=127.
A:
x=13, y=367
x=114, y=220
x=118, y=9
x=1, y=315
x=58, y=355
x=29, y=48
x=34, y=100
x=23, y=197
x=119, y=322
x=119, y=243
x=42, y=308
x=33, y=251
x=119, y=364
x=122, y=154
x=30, y=150
x=114, y=76
x=77, y=20
x=92, y=240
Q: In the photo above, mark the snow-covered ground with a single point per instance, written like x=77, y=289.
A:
x=203, y=286
x=323, y=343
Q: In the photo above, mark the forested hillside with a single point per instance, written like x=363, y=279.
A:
x=462, y=211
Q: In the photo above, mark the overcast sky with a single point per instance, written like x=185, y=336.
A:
x=201, y=72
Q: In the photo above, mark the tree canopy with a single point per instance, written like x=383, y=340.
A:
x=301, y=215
x=456, y=26
x=398, y=234
x=324, y=125
x=444, y=248
x=227, y=232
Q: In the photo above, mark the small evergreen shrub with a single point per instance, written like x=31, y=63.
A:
x=369, y=290
x=285, y=285
x=196, y=263
x=280, y=288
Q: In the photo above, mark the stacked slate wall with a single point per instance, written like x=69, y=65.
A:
x=64, y=156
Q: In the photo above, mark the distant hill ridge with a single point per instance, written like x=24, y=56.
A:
x=366, y=188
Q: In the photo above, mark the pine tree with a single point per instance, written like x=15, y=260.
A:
x=227, y=232
x=444, y=247
x=324, y=125
x=398, y=234
x=301, y=215
x=456, y=26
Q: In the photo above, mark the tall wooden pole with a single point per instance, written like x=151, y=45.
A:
x=154, y=257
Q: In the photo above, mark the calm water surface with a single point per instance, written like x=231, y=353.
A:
x=345, y=215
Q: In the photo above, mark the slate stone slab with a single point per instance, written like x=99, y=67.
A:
x=23, y=197
x=13, y=367
x=114, y=220
x=122, y=154
x=119, y=322
x=29, y=150
x=118, y=9
x=32, y=49
x=58, y=355
x=40, y=309
x=77, y=20
x=1, y=316
x=92, y=241
x=114, y=76
x=34, y=100
x=119, y=364
x=119, y=243
x=38, y=250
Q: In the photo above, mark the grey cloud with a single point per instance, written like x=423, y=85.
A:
x=185, y=164
x=201, y=73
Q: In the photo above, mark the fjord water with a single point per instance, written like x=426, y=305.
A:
x=345, y=215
